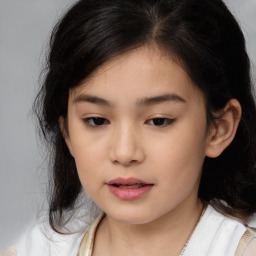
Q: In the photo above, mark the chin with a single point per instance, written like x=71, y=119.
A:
x=132, y=217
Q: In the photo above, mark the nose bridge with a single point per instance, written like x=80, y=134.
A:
x=126, y=145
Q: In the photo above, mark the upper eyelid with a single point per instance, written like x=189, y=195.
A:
x=160, y=117
x=87, y=120
x=167, y=122
x=149, y=118
x=167, y=118
x=93, y=116
x=157, y=116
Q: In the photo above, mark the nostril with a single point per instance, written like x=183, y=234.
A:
x=124, y=162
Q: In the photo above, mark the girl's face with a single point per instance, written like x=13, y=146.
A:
x=138, y=132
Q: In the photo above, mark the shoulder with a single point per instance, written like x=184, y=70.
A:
x=41, y=240
x=247, y=244
x=233, y=236
x=215, y=234
x=34, y=241
x=251, y=249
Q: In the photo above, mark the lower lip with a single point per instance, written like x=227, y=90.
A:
x=129, y=193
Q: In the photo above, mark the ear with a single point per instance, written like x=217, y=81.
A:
x=64, y=131
x=223, y=132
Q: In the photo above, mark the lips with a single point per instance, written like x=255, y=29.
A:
x=127, y=181
x=137, y=185
x=128, y=188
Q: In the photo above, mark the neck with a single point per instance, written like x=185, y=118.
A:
x=169, y=233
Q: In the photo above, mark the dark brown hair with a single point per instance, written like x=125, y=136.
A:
x=203, y=36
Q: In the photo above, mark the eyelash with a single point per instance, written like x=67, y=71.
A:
x=158, y=121
x=88, y=121
x=161, y=121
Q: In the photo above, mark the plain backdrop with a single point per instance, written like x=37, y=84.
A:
x=25, y=27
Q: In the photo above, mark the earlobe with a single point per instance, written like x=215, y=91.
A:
x=64, y=131
x=224, y=130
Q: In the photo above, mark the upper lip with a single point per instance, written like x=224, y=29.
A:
x=127, y=181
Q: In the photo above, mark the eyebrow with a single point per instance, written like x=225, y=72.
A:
x=92, y=99
x=161, y=98
x=146, y=101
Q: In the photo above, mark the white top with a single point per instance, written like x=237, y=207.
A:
x=215, y=235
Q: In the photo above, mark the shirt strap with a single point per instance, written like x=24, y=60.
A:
x=246, y=239
x=86, y=245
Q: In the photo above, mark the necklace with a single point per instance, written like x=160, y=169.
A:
x=186, y=244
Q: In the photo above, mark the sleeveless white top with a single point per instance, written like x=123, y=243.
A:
x=215, y=235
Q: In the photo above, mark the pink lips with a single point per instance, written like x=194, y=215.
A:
x=128, y=189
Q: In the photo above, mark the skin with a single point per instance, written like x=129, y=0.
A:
x=162, y=142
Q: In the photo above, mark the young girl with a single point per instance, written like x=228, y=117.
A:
x=147, y=106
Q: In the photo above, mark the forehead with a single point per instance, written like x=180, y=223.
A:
x=141, y=72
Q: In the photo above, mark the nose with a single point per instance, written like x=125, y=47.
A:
x=126, y=147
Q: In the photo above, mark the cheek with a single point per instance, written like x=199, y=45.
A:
x=180, y=173
x=88, y=160
x=182, y=155
x=87, y=146
x=89, y=169
x=88, y=156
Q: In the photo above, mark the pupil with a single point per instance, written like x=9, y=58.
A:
x=99, y=121
x=159, y=121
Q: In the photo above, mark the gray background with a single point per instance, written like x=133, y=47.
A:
x=24, y=32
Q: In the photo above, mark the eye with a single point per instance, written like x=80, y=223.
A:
x=95, y=121
x=160, y=121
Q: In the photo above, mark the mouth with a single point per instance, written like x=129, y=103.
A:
x=136, y=185
x=129, y=188
x=128, y=183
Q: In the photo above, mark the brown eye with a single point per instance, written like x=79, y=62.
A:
x=96, y=121
x=160, y=121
